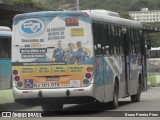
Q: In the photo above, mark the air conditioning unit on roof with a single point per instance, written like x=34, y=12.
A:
x=104, y=12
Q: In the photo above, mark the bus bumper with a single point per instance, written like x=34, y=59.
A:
x=64, y=95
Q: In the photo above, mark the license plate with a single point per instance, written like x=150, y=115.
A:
x=46, y=85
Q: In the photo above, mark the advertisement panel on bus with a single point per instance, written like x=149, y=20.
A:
x=52, y=51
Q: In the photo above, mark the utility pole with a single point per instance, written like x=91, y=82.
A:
x=77, y=5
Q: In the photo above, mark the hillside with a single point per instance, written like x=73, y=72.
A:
x=120, y=6
x=113, y=5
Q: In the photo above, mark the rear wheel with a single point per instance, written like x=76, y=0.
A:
x=136, y=97
x=114, y=103
x=52, y=107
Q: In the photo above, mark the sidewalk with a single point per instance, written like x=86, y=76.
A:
x=7, y=102
x=6, y=96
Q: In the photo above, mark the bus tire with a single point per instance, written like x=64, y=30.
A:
x=114, y=103
x=136, y=97
x=52, y=108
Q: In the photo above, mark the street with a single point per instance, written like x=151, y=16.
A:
x=149, y=102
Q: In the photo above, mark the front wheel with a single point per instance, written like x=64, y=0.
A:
x=136, y=97
x=52, y=108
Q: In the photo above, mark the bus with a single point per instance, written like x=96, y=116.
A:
x=154, y=58
x=75, y=57
x=154, y=65
x=5, y=57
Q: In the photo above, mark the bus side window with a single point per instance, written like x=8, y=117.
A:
x=97, y=37
x=120, y=39
x=106, y=41
x=5, y=48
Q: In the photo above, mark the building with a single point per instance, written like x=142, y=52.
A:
x=145, y=15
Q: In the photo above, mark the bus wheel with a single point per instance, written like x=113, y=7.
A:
x=51, y=107
x=114, y=103
x=136, y=97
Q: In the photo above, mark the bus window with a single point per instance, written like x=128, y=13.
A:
x=152, y=54
x=158, y=54
x=5, y=48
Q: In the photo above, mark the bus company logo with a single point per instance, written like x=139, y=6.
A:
x=31, y=27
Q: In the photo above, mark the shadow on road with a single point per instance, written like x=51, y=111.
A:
x=93, y=109
x=12, y=107
x=89, y=109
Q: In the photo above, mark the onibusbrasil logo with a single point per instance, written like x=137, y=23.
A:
x=32, y=27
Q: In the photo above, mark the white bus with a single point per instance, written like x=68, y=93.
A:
x=70, y=57
x=154, y=61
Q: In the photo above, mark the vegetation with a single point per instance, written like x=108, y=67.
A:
x=30, y=3
x=120, y=6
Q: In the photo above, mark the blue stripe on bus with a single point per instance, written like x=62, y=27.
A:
x=5, y=68
x=103, y=73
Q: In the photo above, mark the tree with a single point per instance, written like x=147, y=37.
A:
x=29, y=3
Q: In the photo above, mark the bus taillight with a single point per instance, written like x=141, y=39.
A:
x=88, y=75
x=17, y=78
x=90, y=69
x=19, y=84
x=15, y=72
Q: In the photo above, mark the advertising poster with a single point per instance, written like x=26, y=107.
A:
x=52, y=48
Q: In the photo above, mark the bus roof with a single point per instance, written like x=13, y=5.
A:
x=112, y=17
x=5, y=31
x=93, y=16
x=155, y=48
x=4, y=28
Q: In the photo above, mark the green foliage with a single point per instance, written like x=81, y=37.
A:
x=29, y=3
x=154, y=37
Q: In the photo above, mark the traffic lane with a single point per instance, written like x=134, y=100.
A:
x=90, y=110
x=149, y=102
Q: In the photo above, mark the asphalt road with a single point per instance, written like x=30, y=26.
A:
x=150, y=103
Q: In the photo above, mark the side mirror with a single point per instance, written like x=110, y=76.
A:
x=106, y=50
x=99, y=49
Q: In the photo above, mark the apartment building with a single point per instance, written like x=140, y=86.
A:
x=145, y=15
